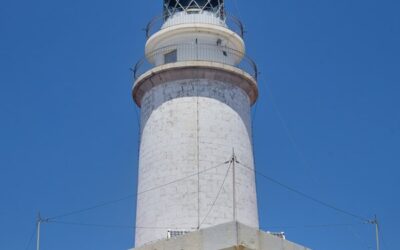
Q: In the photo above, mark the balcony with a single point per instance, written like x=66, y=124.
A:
x=205, y=53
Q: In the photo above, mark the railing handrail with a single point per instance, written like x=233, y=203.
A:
x=252, y=69
x=159, y=21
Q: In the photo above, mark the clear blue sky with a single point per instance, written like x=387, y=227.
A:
x=69, y=132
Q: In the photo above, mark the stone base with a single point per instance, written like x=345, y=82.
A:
x=229, y=236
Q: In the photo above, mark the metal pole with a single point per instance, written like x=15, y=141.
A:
x=39, y=222
x=376, y=223
x=377, y=232
x=234, y=184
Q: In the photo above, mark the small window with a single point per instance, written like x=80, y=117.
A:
x=171, y=57
x=225, y=53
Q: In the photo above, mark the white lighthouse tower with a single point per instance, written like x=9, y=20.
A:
x=195, y=88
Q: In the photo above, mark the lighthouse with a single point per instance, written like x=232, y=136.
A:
x=195, y=87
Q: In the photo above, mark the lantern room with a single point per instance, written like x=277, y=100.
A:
x=172, y=7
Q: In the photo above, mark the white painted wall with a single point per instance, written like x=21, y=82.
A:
x=185, y=18
x=187, y=126
x=197, y=52
x=188, y=33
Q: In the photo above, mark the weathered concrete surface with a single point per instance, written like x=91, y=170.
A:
x=189, y=126
x=213, y=71
x=229, y=236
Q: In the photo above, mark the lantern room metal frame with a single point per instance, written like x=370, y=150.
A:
x=193, y=6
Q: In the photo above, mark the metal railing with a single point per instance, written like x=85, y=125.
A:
x=229, y=21
x=195, y=52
